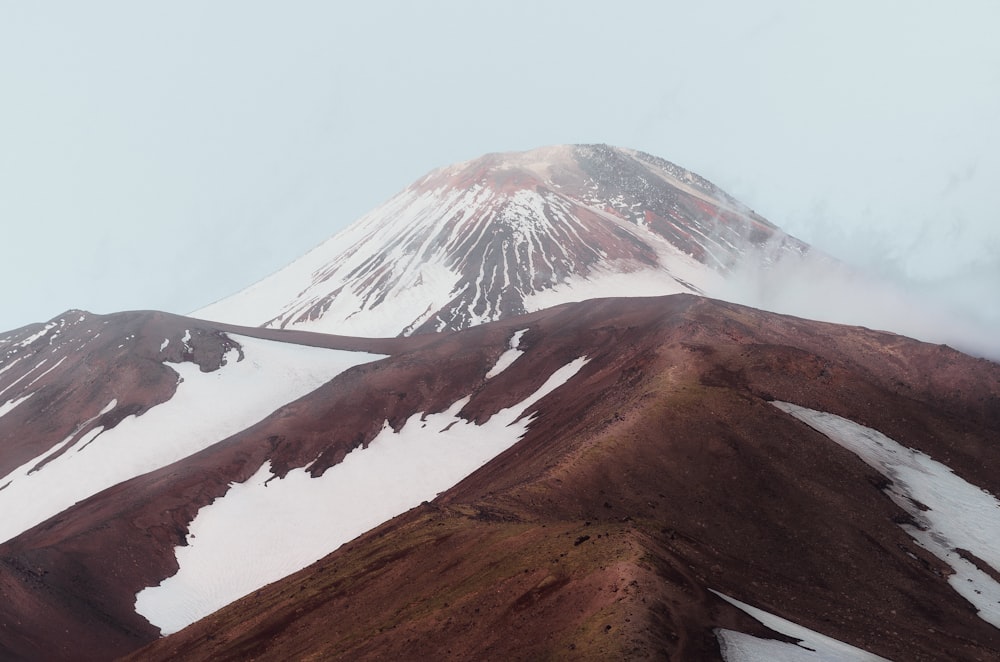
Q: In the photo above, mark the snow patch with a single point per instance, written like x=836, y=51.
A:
x=812, y=646
x=35, y=463
x=10, y=365
x=276, y=527
x=508, y=357
x=958, y=515
x=206, y=408
x=35, y=336
x=8, y=406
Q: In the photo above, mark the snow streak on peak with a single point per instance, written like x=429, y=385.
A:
x=501, y=235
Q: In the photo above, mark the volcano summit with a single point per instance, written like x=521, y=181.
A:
x=507, y=234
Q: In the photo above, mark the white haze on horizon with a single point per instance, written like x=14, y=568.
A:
x=165, y=157
x=817, y=286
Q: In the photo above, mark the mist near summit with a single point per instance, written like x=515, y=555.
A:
x=815, y=286
x=166, y=159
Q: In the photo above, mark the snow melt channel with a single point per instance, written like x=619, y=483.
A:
x=276, y=528
x=206, y=408
x=812, y=646
x=958, y=515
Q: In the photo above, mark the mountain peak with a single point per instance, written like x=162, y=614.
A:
x=539, y=161
x=511, y=233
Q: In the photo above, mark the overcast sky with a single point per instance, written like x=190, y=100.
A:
x=164, y=155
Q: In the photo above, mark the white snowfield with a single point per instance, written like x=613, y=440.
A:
x=958, y=515
x=263, y=529
x=206, y=408
x=812, y=646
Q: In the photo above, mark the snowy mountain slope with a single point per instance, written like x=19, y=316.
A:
x=512, y=233
x=67, y=366
x=396, y=471
x=661, y=483
x=625, y=460
x=129, y=488
x=253, y=378
x=77, y=379
x=669, y=477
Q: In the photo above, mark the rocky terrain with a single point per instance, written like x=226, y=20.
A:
x=657, y=477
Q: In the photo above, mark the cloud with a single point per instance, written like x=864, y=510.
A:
x=817, y=286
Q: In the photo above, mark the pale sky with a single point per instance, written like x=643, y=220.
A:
x=165, y=155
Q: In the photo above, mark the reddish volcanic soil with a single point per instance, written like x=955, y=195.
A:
x=659, y=472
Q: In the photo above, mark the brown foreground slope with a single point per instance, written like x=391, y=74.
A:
x=659, y=473
x=67, y=586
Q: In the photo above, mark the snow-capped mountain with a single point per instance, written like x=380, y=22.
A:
x=618, y=478
x=666, y=477
x=507, y=234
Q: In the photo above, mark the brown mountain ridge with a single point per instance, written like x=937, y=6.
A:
x=659, y=474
